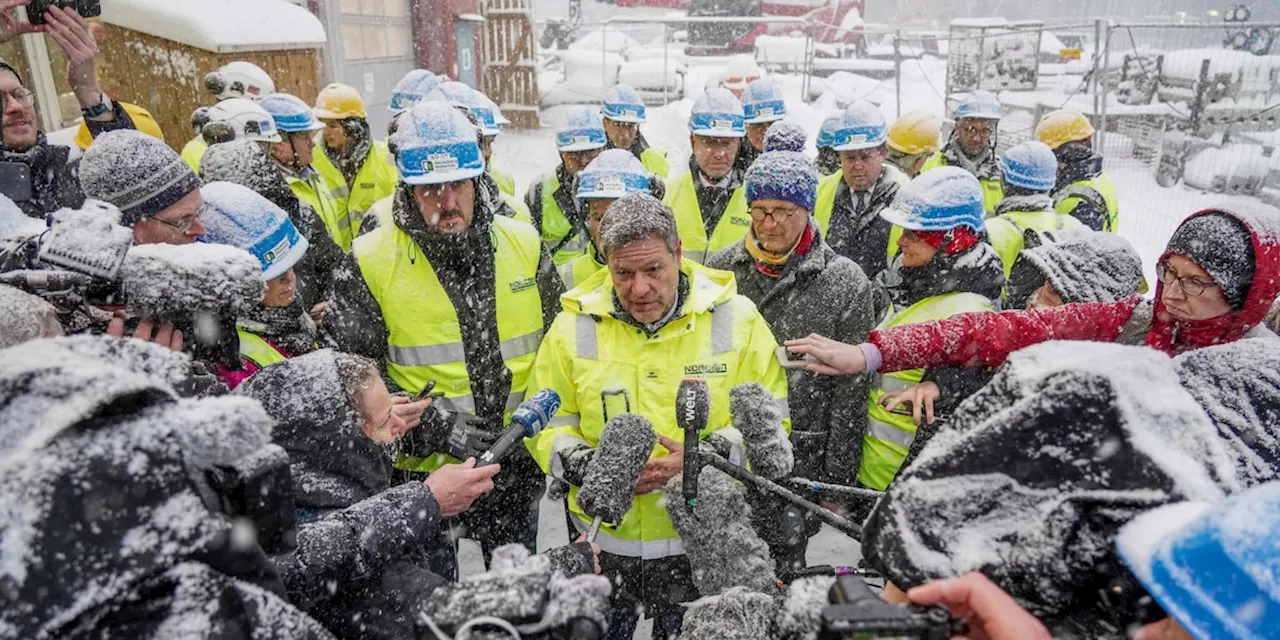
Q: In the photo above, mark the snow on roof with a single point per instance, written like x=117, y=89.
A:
x=1186, y=63
x=221, y=26
x=980, y=22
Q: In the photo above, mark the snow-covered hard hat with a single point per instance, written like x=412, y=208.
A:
x=980, y=104
x=413, y=87
x=582, y=131
x=290, y=113
x=762, y=102
x=239, y=119
x=940, y=199
x=861, y=126
x=827, y=132
x=1059, y=127
x=717, y=114
x=916, y=133
x=239, y=80
x=498, y=118
x=623, y=104
x=613, y=174
x=1212, y=568
x=464, y=97
x=435, y=143
x=1030, y=165
x=339, y=102
x=235, y=215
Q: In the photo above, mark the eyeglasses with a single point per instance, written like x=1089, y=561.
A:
x=184, y=224
x=22, y=95
x=1191, y=285
x=975, y=129
x=779, y=214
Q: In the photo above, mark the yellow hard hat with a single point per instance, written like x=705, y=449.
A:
x=142, y=121
x=339, y=102
x=1059, y=127
x=915, y=133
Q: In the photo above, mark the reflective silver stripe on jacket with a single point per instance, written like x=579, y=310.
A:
x=643, y=549
x=587, y=344
x=450, y=352
x=890, y=433
x=722, y=328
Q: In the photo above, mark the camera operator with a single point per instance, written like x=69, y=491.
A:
x=48, y=182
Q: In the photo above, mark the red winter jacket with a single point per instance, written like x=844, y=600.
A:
x=986, y=339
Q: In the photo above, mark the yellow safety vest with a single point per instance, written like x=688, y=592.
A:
x=682, y=197
x=556, y=225
x=1004, y=231
x=592, y=359
x=1098, y=190
x=655, y=162
x=826, y=203
x=314, y=193
x=889, y=435
x=257, y=350
x=518, y=205
x=506, y=183
x=193, y=153
x=578, y=270
x=424, y=340
x=992, y=190
x=375, y=180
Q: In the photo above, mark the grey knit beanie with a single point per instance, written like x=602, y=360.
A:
x=137, y=173
x=1223, y=247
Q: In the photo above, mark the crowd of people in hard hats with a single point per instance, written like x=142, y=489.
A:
x=891, y=294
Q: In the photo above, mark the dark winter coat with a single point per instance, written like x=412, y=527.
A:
x=1034, y=475
x=1085, y=211
x=116, y=530
x=244, y=163
x=1081, y=264
x=358, y=565
x=55, y=182
x=712, y=200
x=863, y=238
x=986, y=339
x=747, y=154
x=827, y=294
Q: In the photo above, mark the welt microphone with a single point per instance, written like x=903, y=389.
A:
x=693, y=409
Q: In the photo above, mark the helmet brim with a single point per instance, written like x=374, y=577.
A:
x=718, y=133
x=859, y=146
x=625, y=119
x=442, y=177
x=582, y=146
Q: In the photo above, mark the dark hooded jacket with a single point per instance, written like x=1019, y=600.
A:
x=358, y=565
x=55, y=182
x=1034, y=475
x=863, y=238
x=1081, y=264
x=244, y=163
x=117, y=531
x=1092, y=214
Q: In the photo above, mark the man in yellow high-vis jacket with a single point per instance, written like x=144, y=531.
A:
x=972, y=145
x=552, y=205
x=708, y=201
x=624, y=112
x=1083, y=191
x=356, y=169
x=625, y=340
x=451, y=295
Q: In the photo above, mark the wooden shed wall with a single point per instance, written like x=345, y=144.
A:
x=167, y=78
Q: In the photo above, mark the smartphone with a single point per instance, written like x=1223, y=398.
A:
x=15, y=181
x=786, y=357
x=426, y=390
x=86, y=8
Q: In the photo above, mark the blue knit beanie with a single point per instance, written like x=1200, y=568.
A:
x=783, y=175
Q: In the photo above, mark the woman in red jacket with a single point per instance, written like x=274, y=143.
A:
x=1218, y=277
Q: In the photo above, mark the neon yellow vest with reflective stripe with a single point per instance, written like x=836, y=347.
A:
x=682, y=197
x=518, y=205
x=556, y=226
x=257, y=350
x=375, y=180
x=1004, y=231
x=992, y=191
x=424, y=340
x=317, y=196
x=1091, y=189
x=889, y=435
x=506, y=183
x=826, y=203
x=576, y=271
x=193, y=153
x=655, y=162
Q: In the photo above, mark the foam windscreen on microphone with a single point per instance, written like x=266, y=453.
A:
x=579, y=598
x=758, y=417
x=723, y=548
x=612, y=474
x=514, y=590
x=175, y=282
x=736, y=614
x=800, y=616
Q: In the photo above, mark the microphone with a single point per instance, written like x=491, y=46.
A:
x=530, y=418
x=89, y=240
x=719, y=539
x=610, y=481
x=736, y=613
x=175, y=282
x=693, y=407
x=758, y=417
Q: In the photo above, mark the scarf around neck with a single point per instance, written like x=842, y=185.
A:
x=773, y=264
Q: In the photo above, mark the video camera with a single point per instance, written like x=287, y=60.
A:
x=857, y=612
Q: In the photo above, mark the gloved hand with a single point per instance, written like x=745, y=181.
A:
x=468, y=436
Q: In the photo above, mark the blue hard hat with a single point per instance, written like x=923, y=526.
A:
x=436, y=144
x=460, y=95
x=613, y=174
x=717, y=114
x=980, y=104
x=762, y=102
x=940, y=199
x=861, y=126
x=413, y=87
x=498, y=118
x=1030, y=165
x=827, y=134
x=623, y=104
x=582, y=131
x=1213, y=568
x=290, y=113
x=236, y=215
